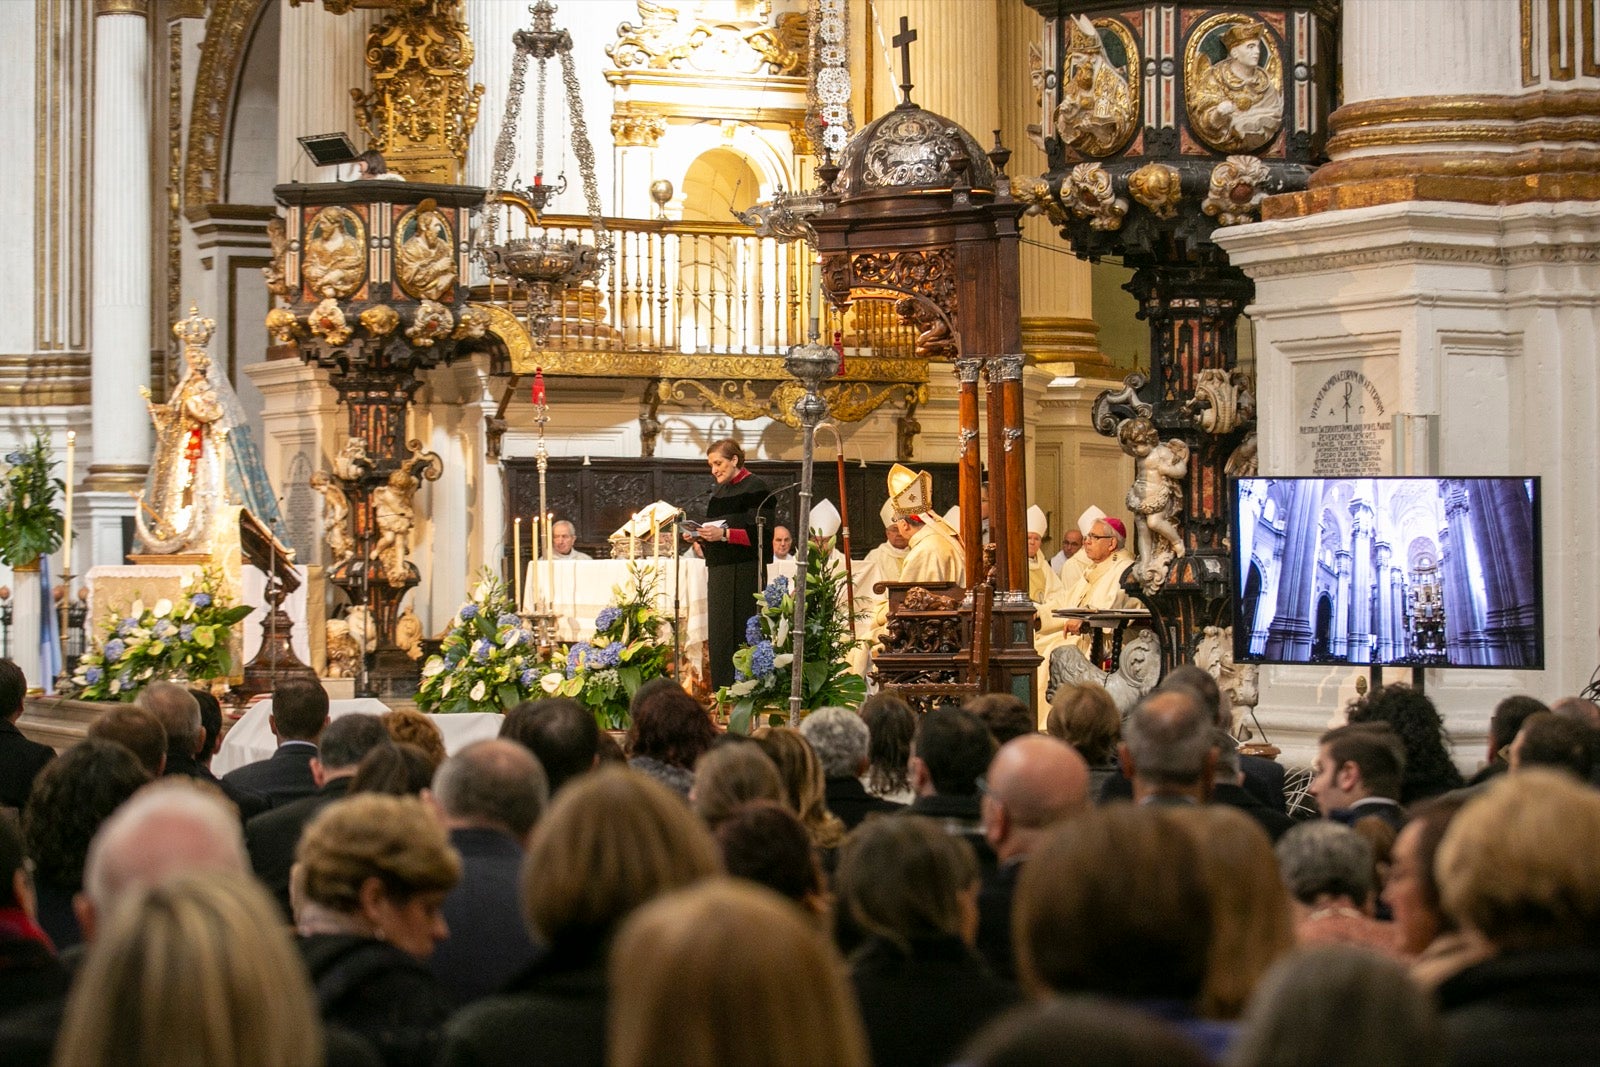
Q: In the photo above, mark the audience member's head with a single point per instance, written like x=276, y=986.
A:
x=378, y=866
x=690, y=985
x=1356, y=762
x=210, y=724
x=344, y=743
x=299, y=709
x=1252, y=922
x=1509, y=869
x=669, y=726
x=1033, y=783
x=764, y=842
x=804, y=788
x=179, y=714
x=1580, y=708
x=1004, y=714
x=1412, y=891
x=1201, y=682
x=397, y=770
x=1085, y=717
x=1339, y=1004
x=13, y=689
x=611, y=841
x=73, y=795
x=1097, y=1031
x=1548, y=740
x=495, y=785
x=892, y=726
x=197, y=969
x=1115, y=903
x=560, y=731
x=16, y=882
x=840, y=739
x=951, y=751
x=1507, y=719
x=904, y=880
x=407, y=726
x=608, y=750
x=1412, y=716
x=166, y=828
x=730, y=776
x=1325, y=862
x=1169, y=745
x=137, y=730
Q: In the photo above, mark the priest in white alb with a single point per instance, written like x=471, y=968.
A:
x=1044, y=585
x=883, y=563
x=1100, y=586
x=1072, y=567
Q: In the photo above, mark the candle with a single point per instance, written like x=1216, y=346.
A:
x=550, y=556
x=533, y=565
x=538, y=385
x=655, y=543
x=66, y=534
x=516, y=562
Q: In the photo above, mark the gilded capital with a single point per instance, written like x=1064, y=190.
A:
x=122, y=7
x=637, y=129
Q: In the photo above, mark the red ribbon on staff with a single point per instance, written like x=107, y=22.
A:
x=538, y=385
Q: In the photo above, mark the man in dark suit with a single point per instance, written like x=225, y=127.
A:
x=179, y=714
x=487, y=797
x=1168, y=749
x=21, y=760
x=299, y=714
x=841, y=740
x=273, y=836
x=949, y=754
x=1358, y=772
x=1034, y=782
x=560, y=732
x=1229, y=789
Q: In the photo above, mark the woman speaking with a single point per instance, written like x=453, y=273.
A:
x=728, y=539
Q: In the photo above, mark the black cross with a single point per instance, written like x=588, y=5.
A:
x=902, y=41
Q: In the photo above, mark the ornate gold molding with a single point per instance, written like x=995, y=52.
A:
x=847, y=401
x=637, y=128
x=41, y=379
x=1049, y=339
x=186, y=9
x=122, y=7
x=115, y=477
x=227, y=28
x=1573, y=103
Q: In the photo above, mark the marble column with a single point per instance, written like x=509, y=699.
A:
x=1339, y=640
x=1290, y=634
x=321, y=57
x=491, y=23
x=120, y=292
x=1360, y=643
x=1382, y=551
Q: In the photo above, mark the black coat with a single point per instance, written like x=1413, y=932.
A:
x=1275, y=823
x=921, y=1007
x=380, y=993
x=488, y=943
x=995, y=895
x=283, y=777
x=273, y=836
x=553, y=1013
x=732, y=572
x=21, y=760
x=249, y=803
x=1539, y=1007
x=849, y=799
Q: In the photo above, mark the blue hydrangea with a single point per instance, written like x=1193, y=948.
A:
x=469, y=611
x=127, y=626
x=14, y=458
x=752, y=630
x=776, y=591
x=163, y=629
x=761, y=659
x=508, y=619
x=528, y=678
x=739, y=675
x=114, y=650
x=201, y=600
x=481, y=649
x=607, y=657
x=451, y=659
x=91, y=675
x=574, y=660
x=606, y=619
x=186, y=632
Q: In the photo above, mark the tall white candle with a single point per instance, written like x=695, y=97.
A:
x=533, y=565
x=550, y=557
x=516, y=562
x=66, y=535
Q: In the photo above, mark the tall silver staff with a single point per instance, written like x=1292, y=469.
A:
x=812, y=364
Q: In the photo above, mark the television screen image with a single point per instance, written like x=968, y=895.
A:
x=1419, y=572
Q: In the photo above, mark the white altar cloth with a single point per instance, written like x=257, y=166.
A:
x=251, y=737
x=583, y=587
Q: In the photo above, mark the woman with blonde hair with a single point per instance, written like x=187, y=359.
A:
x=368, y=887
x=407, y=726
x=196, y=971
x=730, y=776
x=612, y=841
x=729, y=974
x=1252, y=920
x=804, y=787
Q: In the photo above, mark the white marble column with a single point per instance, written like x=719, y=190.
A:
x=491, y=24
x=320, y=59
x=120, y=300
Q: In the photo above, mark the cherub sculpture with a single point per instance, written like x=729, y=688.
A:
x=1155, y=498
x=335, y=516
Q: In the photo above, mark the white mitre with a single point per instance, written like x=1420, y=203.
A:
x=1090, y=516
x=824, y=519
x=1037, y=523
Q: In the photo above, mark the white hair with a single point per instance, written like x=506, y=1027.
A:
x=168, y=827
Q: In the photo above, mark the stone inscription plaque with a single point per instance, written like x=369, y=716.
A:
x=1345, y=426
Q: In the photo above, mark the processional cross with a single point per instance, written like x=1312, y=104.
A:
x=902, y=41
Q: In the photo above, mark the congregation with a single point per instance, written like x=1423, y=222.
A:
x=876, y=886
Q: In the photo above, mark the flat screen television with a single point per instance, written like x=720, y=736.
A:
x=1416, y=572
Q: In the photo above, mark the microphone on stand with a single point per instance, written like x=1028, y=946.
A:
x=761, y=534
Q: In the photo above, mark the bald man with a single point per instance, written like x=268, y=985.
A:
x=1034, y=782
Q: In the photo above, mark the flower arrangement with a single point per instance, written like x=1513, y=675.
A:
x=626, y=651
x=30, y=525
x=187, y=640
x=764, y=665
x=489, y=661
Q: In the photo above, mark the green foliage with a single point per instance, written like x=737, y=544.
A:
x=764, y=665
x=489, y=661
x=30, y=525
x=186, y=641
x=630, y=646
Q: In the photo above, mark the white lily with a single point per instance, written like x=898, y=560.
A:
x=552, y=681
x=162, y=609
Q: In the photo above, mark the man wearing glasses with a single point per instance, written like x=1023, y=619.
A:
x=1100, y=586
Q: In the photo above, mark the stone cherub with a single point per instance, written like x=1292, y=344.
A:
x=335, y=519
x=1155, y=498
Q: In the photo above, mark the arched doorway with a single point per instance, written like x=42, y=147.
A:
x=718, y=312
x=1322, y=639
